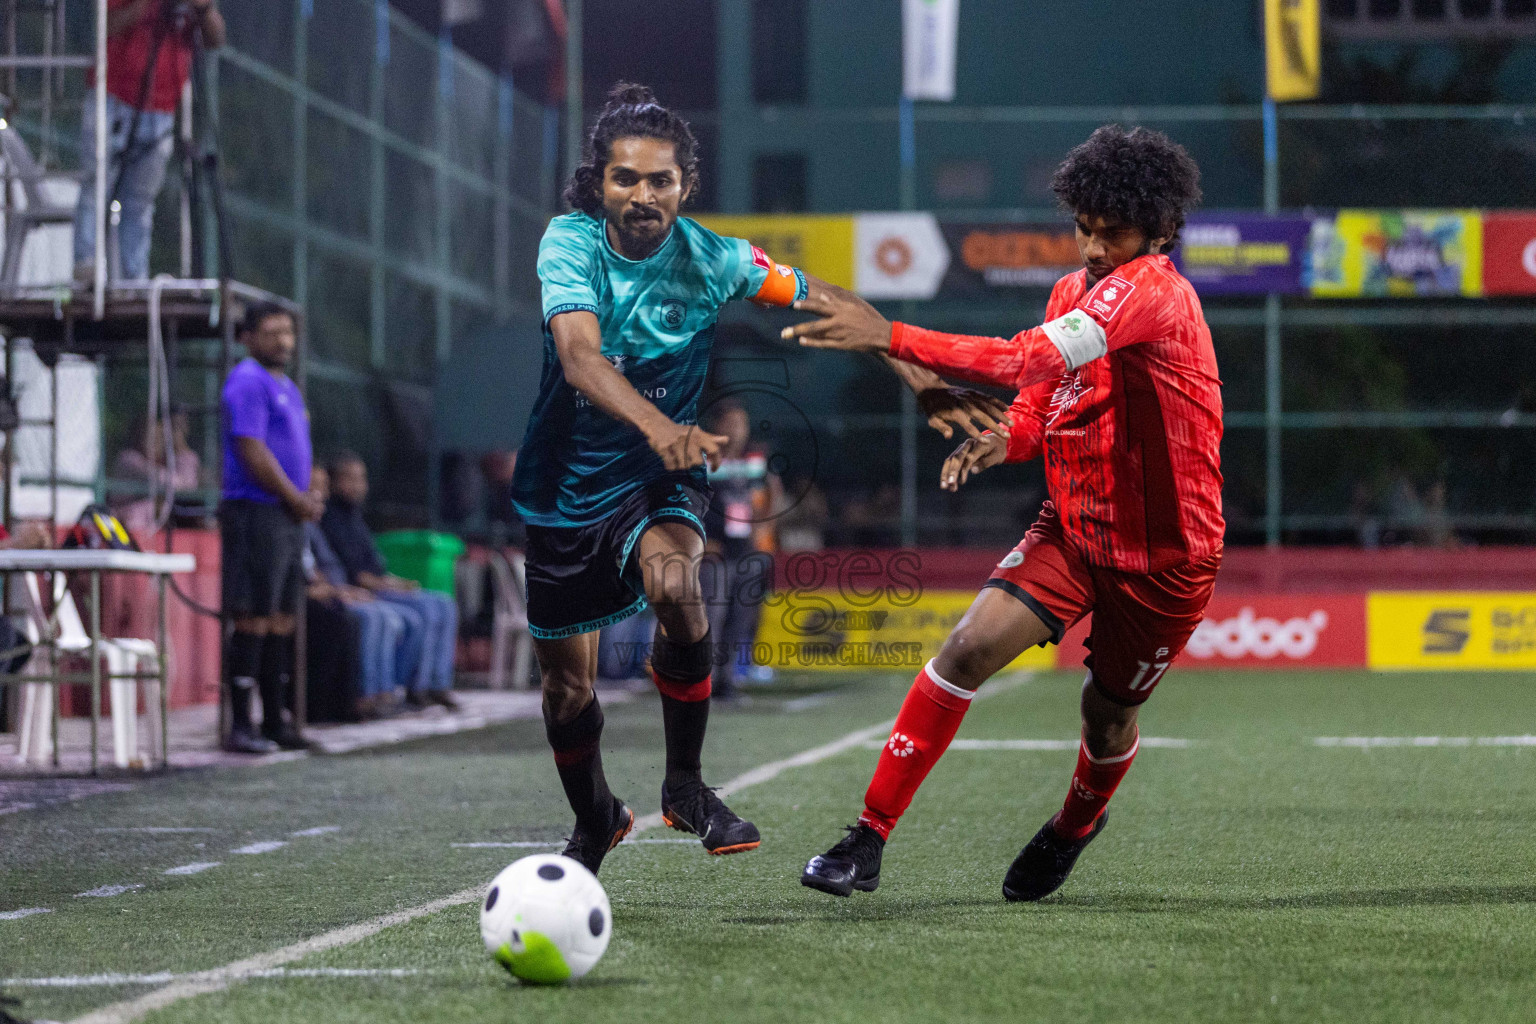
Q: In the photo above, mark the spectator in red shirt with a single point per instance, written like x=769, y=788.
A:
x=149, y=59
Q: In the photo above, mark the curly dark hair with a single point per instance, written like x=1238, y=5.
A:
x=631, y=112
x=1138, y=177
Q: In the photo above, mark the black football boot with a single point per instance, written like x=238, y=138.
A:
x=854, y=863
x=1044, y=864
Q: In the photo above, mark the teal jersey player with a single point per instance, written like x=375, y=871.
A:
x=657, y=316
x=610, y=478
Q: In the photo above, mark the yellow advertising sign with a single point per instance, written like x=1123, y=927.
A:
x=1398, y=254
x=1452, y=630
x=1292, y=49
x=846, y=631
x=822, y=246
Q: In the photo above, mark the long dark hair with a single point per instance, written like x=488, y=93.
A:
x=631, y=112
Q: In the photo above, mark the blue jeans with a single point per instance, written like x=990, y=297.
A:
x=380, y=627
x=142, y=178
x=437, y=635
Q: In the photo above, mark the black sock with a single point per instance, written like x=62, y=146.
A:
x=579, y=760
x=681, y=671
x=275, y=678
x=244, y=666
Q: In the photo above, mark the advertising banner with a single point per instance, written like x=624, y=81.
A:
x=1261, y=631
x=1292, y=49
x=898, y=255
x=1509, y=253
x=1452, y=630
x=841, y=629
x=819, y=245
x=992, y=256
x=1233, y=253
x=1397, y=254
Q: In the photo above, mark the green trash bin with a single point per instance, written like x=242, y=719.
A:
x=422, y=555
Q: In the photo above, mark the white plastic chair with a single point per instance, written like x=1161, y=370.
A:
x=509, y=623
x=35, y=737
x=125, y=656
x=41, y=208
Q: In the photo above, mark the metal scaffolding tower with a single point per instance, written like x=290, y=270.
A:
x=104, y=318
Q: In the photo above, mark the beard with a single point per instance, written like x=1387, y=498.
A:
x=640, y=235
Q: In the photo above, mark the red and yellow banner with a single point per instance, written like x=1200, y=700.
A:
x=825, y=629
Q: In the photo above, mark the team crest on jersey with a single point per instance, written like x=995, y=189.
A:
x=1012, y=559
x=672, y=314
x=1105, y=300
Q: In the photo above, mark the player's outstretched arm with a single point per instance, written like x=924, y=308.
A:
x=579, y=344
x=849, y=323
x=945, y=405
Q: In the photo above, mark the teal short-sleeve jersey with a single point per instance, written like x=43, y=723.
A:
x=657, y=316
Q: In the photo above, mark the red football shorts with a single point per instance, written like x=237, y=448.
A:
x=1140, y=621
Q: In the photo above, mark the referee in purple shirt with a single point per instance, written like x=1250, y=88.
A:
x=266, y=501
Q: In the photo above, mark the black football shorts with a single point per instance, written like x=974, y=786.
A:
x=582, y=578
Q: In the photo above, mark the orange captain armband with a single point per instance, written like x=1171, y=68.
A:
x=782, y=286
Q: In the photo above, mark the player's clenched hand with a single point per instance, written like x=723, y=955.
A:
x=683, y=447
x=847, y=322
x=974, y=455
x=971, y=410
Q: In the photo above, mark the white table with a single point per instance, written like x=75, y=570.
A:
x=95, y=562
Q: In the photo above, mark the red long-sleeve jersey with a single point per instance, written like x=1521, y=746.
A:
x=1118, y=390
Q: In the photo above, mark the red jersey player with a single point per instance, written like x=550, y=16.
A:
x=1118, y=392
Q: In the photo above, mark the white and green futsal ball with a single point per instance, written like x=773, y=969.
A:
x=546, y=919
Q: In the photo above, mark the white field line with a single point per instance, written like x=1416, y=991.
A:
x=192, y=869
x=530, y=844
x=1364, y=742
x=220, y=978
x=165, y=977
x=156, y=830
x=1166, y=742
x=110, y=890
x=319, y=830
x=264, y=847
x=17, y=915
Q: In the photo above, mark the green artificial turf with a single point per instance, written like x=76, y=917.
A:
x=1251, y=876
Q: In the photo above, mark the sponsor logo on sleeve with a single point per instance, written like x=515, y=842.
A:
x=1105, y=300
x=761, y=258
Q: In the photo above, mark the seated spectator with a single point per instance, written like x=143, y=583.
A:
x=127, y=599
x=356, y=643
x=144, y=461
x=352, y=541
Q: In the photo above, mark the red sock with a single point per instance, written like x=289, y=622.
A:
x=928, y=720
x=1093, y=783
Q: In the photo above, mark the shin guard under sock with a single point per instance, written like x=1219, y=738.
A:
x=275, y=680
x=682, y=674
x=929, y=718
x=244, y=666
x=1093, y=783
x=579, y=760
